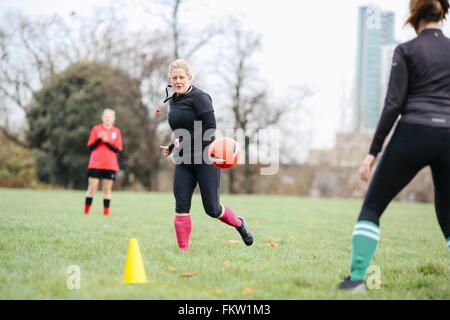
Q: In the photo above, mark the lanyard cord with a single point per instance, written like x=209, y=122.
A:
x=167, y=94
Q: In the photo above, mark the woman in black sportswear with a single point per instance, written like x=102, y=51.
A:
x=191, y=118
x=418, y=92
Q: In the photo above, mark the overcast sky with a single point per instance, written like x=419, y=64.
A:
x=304, y=42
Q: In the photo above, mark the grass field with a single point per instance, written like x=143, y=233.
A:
x=301, y=249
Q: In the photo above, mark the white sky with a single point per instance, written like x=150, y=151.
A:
x=304, y=42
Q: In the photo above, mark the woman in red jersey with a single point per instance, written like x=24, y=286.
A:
x=105, y=142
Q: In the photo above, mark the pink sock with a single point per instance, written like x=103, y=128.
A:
x=183, y=227
x=230, y=218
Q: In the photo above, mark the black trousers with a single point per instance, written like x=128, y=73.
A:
x=186, y=177
x=411, y=148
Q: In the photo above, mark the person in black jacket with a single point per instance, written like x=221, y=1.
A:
x=418, y=92
x=191, y=112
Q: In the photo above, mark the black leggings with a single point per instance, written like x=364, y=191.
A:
x=185, y=180
x=411, y=148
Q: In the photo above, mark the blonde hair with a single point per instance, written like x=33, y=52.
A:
x=180, y=64
x=109, y=110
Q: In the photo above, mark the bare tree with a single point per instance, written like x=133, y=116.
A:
x=34, y=50
x=184, y=42
x=26, y=61
x=251, y=105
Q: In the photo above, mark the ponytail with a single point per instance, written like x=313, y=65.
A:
x=427, y=11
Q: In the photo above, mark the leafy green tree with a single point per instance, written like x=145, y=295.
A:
x=65, y=109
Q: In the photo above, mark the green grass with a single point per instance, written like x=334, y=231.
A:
x=44, y=232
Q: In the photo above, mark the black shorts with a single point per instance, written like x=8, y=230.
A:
x=102, y=174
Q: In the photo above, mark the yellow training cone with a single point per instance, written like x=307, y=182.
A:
x=134, y=268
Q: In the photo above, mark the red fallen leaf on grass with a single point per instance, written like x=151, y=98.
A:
x=188, y=274
x=219, y=292
x=171, y=269
x=247, y=291
x=272, y=244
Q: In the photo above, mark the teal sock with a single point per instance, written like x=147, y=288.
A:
x=364, y=243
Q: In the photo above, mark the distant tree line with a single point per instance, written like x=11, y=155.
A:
x=61, y=72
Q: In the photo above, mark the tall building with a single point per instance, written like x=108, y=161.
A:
x=375, y=32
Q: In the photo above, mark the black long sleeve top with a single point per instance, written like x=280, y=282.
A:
x=186, y=109
x=419, y=85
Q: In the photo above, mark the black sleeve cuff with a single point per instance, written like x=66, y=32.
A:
x=113, y=148
x=374, y=150
x=95, y=144
x=376, y=146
